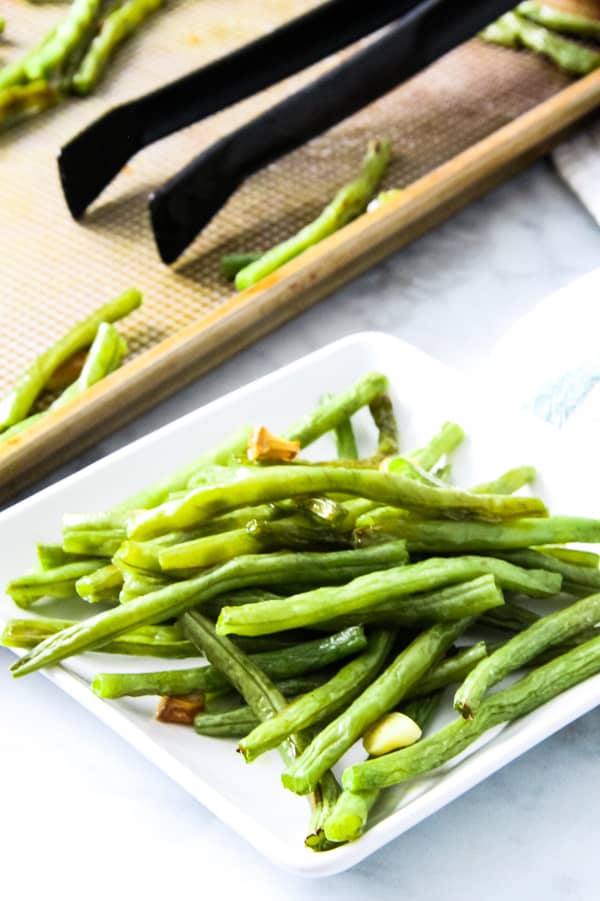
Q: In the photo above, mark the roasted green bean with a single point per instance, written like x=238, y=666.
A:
x=382, y=695
x=279, y=664
x=366, y=594
x=535, y=689
x=523, y=647
x=349, y=202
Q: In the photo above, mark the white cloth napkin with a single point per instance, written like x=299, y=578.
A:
x=577, y=161
x=548, y=363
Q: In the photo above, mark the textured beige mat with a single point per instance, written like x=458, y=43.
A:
x=54, y=270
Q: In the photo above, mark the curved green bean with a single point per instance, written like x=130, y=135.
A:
x=523, y=647
x=279, y=482
x=105, y=355
x=349, y=202
x=18, y=402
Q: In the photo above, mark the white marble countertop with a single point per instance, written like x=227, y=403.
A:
x=84, y=816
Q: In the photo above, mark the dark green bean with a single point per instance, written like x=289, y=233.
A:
x=278, y=664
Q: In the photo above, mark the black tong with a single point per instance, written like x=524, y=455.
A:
x=187, y=202
x=92, y=158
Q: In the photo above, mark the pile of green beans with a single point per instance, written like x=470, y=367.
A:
x=324, y=597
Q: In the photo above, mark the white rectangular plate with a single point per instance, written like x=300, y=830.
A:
x=250, y=798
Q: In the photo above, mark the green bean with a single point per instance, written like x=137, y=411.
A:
x=147, y=641
x=227, y=724
x=102, y=543
x=58, y=582
x=444, y=474
x=265, y=700
x=509, y=482
x=571, y=572
x=510, y=617
x=443, y=536
x=349, y=202
x=522, y=648
x=18, y=402
x=368, y=593
x=378, y=698
x=345, y=441
x=203, y=552
x=450, y=670
x=382, y=411
x=105, y=355
x=349, y=817
x=52, y=555
x=560, y=19
x=237, y=722
x=174, y=599
x=73, y=32
x=137, y=584
x=323, y=702
x=529, y=693
x=336, y=409
x=442, y=605
x=291, y=533
x=117, y=26
x=278, y=482
x=571, y=555
x=14, y=73
x=101, y=586
x=514, y=30
x=444, y=442
x=279, y=664
x=18, y=101
x=232, y=263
